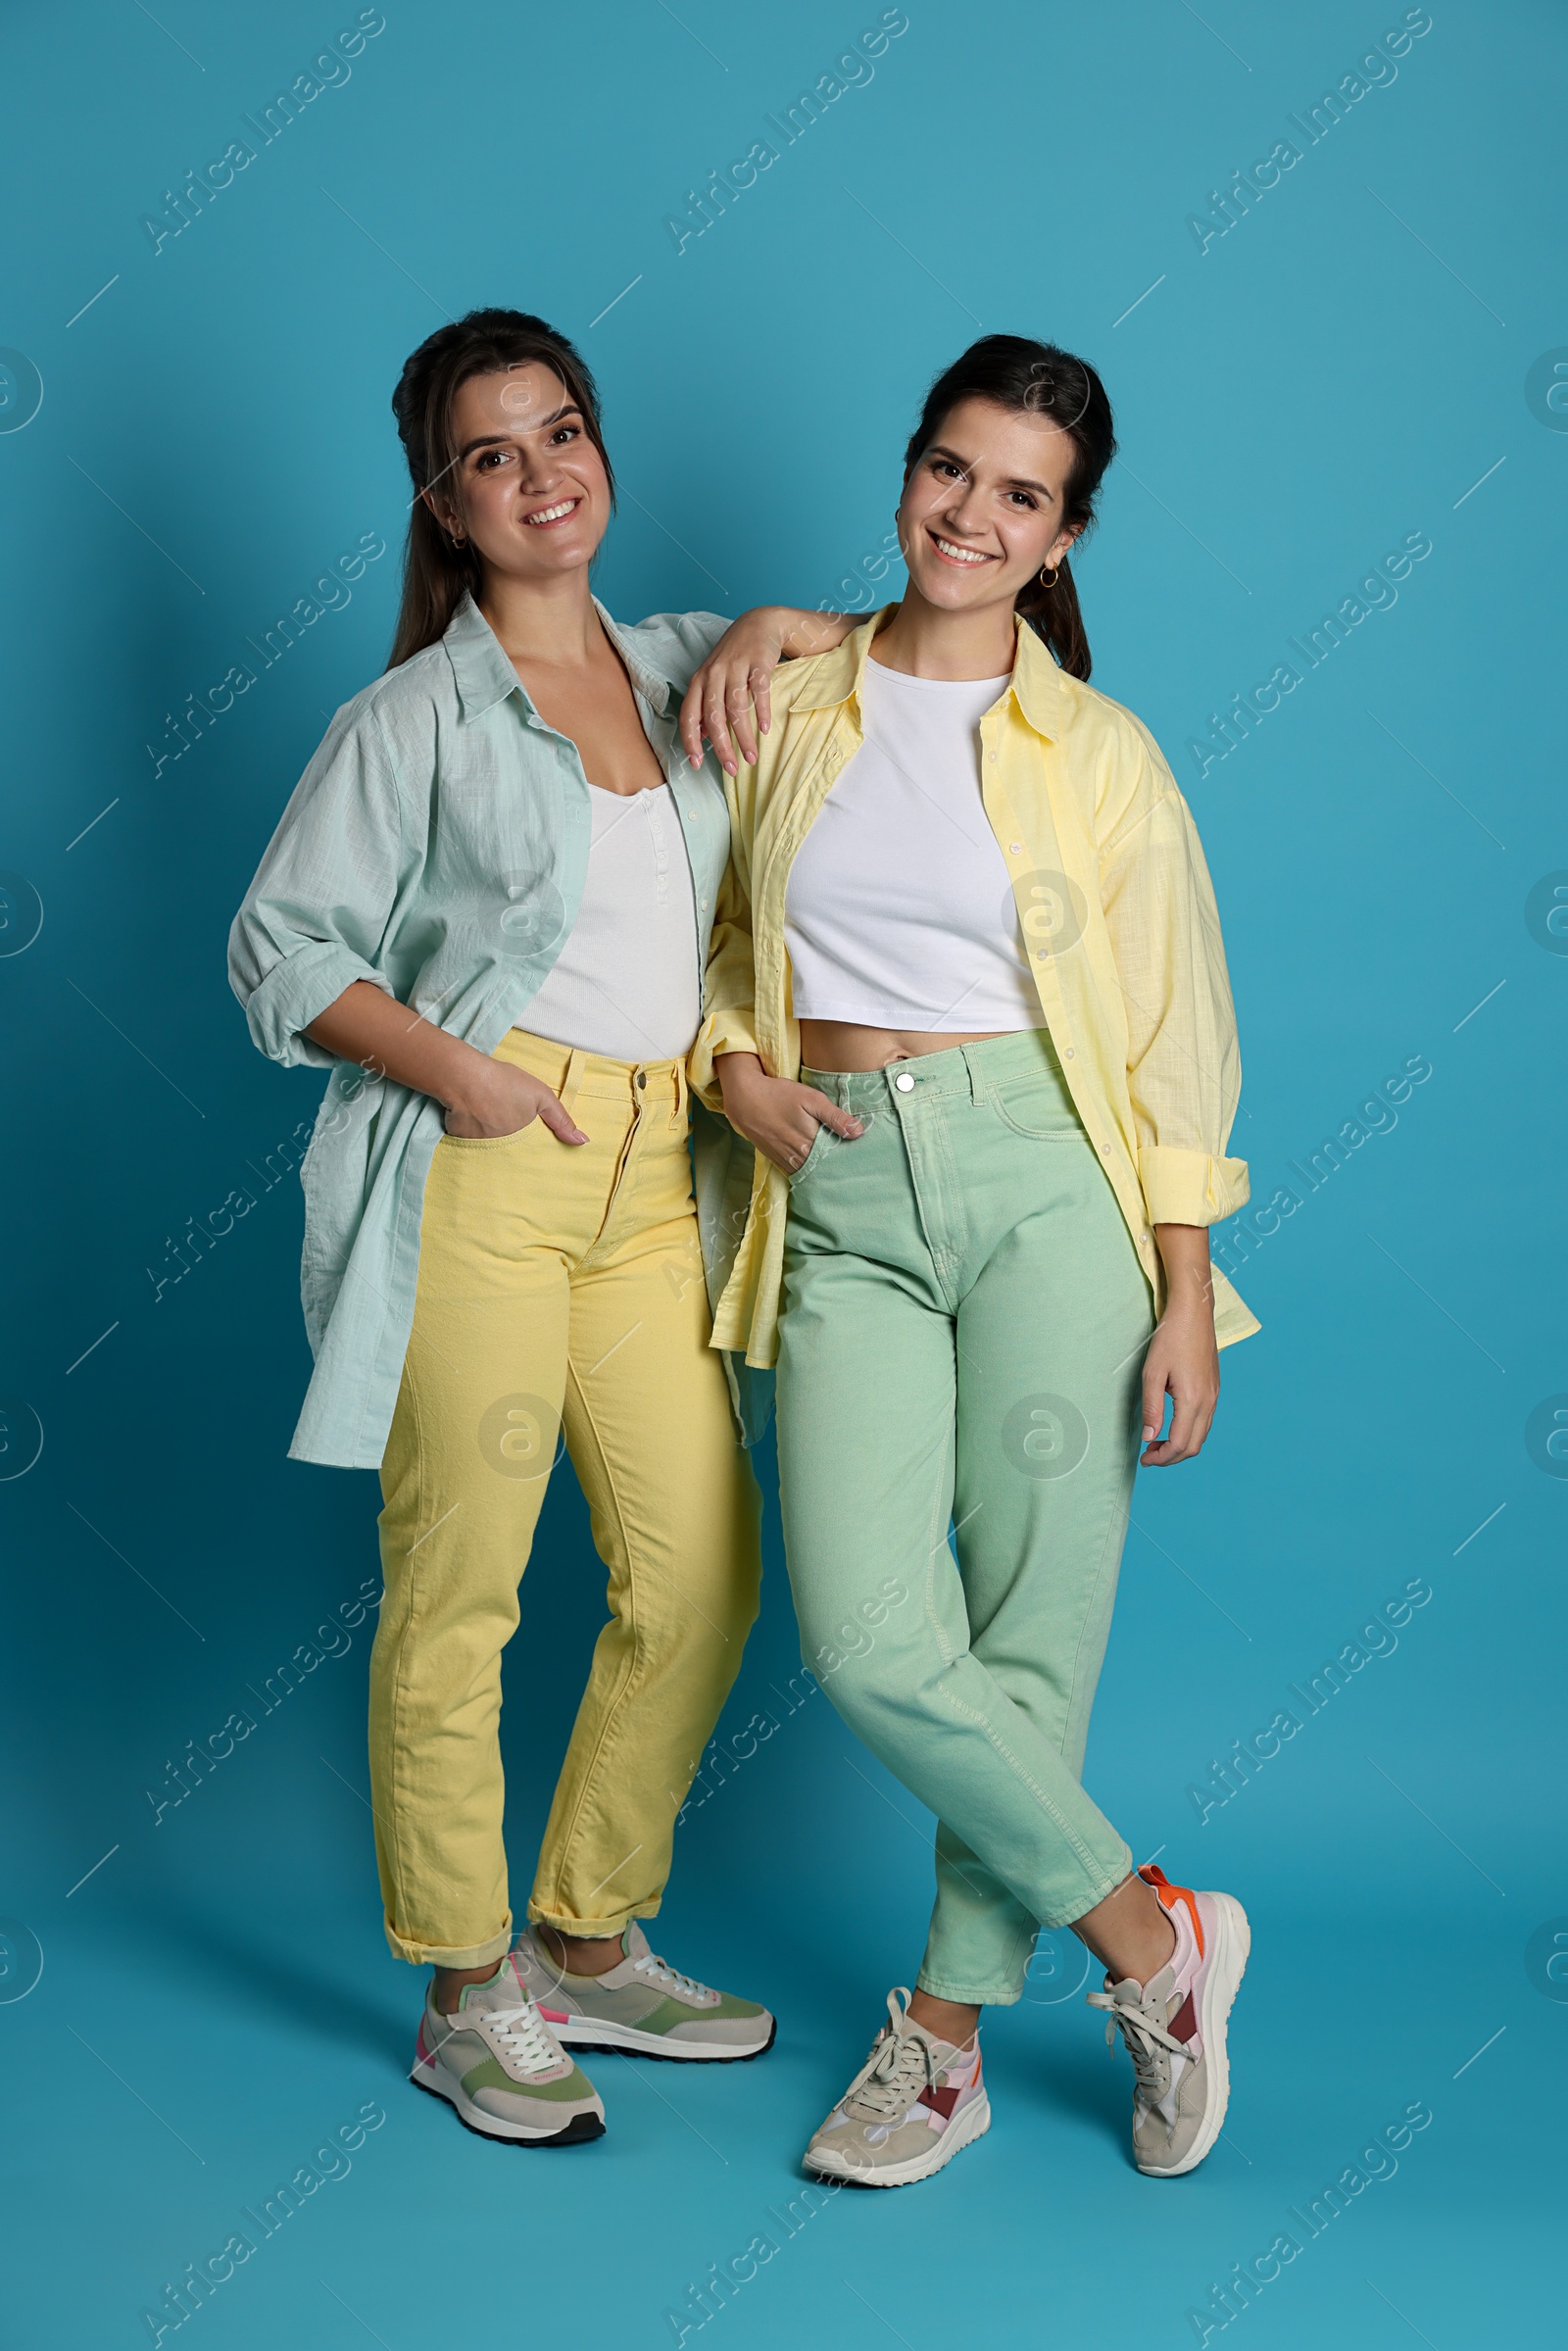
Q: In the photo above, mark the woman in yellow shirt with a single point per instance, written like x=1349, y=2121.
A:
x=967, y=998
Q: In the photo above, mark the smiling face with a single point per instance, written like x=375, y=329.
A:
x=530, y=489
x=982, y=510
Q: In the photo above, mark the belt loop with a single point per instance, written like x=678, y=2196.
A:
x=979, y=1084
x=572, y=1079
x=677, y=1120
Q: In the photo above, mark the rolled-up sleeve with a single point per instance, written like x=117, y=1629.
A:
x=729, y=1016
x=316, y=915
x=1184, y=1069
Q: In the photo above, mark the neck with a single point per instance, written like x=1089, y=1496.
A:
x=542, y=620
x=925, y=641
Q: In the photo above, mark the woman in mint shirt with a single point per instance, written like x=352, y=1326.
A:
x=486, y=913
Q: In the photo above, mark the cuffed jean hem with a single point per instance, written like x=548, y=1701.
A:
x=970, y=1995
x=1105, y=1885
x=429, y=1954
x=589, y=1929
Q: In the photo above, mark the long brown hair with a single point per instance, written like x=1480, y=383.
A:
x=1036, y=379
x=436, y=574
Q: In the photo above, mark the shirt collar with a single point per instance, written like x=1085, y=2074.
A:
x=1036, y=678
x=484, y=675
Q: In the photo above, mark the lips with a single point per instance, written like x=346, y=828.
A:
x=543, y=518
x=964, y=558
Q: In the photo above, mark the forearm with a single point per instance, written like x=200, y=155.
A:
x=367, y=1025
x=736, y=1075
x=1188, y=1278
x=801, y=633
x=1182, y=1360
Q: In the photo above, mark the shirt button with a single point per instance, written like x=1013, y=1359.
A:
x=992, y=758
x=904, y=1082
x=1069, y=1054
x=1016, y=847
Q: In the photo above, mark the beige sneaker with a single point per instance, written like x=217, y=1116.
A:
x=497, y=2061
x=1174, y=2028
x=913, y=2105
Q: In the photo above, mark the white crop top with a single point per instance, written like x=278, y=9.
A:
x=626, y=984
x=900, y=913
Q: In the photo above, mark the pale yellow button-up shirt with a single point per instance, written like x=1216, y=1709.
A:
x=1117, y=913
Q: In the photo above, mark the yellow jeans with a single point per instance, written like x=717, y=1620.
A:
x=561, y=1292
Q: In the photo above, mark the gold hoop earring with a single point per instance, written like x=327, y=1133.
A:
x=1054, y=576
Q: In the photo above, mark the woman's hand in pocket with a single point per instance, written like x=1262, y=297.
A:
x=776, y=1114
x=498, y=1099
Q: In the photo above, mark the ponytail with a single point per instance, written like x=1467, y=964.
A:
x=1054, y=612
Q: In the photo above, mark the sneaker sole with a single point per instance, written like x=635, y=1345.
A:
x=581, y=2128
x=1220, y=1991
x=596, y=2034
x=972, y=2123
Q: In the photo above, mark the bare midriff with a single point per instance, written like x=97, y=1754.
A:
x=845, y=1045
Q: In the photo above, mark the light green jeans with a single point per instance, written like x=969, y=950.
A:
x=962, y=1340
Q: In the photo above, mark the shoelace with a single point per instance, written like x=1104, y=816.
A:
x=522, y=2034
x=899, y=2067
x=1149, y=2045
x=662, y=1972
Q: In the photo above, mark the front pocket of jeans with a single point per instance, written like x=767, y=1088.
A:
x=1035, y=1107
x=813, y=1156
x=490, y=1142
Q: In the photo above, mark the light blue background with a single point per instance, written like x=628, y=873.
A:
x=1346, y=366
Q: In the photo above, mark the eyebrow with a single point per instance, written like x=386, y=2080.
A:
x=1017, y=481
x=498, y=440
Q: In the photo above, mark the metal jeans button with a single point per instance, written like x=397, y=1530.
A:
x=642, y=1077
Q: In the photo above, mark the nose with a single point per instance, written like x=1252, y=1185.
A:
x=539, y=470
x=963, y=509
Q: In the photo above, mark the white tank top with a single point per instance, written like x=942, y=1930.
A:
x=626, y=984
x=898, y=913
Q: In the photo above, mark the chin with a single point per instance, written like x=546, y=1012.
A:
x=576, y=547
x=954, y=590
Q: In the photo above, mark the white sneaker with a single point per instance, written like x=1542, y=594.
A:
x=497, y=2061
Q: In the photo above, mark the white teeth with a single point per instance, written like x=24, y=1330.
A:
x=553, y=514
x=961, y=555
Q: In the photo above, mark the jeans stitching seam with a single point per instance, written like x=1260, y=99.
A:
x=399, y=1679
x=937, y=1540
x=637, y=1662
x=1116, y=1532
x=1069, y=1835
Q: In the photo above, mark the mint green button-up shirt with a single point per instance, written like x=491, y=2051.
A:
x=437, y=846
